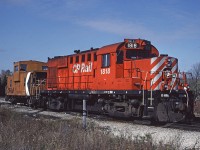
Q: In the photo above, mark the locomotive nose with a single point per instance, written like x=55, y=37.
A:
x=171, y=63
x=170, y=73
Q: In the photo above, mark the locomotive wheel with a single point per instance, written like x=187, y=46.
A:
x=67, y=104
x=7, y=98
x=43, y=103
x=13, y=100
x=29, y=103
x=54, y=104
x=35, y=104
x=161, y=113
x=164, y=113
x=176, y=117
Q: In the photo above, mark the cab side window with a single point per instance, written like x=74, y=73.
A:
x=16, y=68
x=89, y=57
x=77, y=59
x=44, y=68
x=95, y=56
x=105, y=60
x=71, y=60
x=23, y=67
x=120, y=56
x=83, y=58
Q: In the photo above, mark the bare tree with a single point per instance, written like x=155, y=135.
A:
x=195, y=81
x=3, y=81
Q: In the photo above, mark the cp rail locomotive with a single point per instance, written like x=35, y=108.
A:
x=126, y=79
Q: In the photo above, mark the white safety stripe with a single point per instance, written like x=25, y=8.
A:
x=157, y=87
x=176, y=87
x=157, y=77
x=175, y=68
x=158, y=65
x=156, y=72
x=26, y=84
x=153, y=59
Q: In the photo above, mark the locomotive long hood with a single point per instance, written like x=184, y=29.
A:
x=109, y=48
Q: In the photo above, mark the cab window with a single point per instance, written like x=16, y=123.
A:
x=120, y=56
x=44, y=68
x=23, y=67
x=89, y=57
x=16, y=68
x=105, y=60
x=83, y=58
x=77, y=59
x=137, y=54
x=71, y=60
x=95, y=57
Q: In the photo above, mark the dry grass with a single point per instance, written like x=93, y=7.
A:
x=20, y=132
x=197, y=107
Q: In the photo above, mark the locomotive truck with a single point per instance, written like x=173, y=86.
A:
x=125, y=79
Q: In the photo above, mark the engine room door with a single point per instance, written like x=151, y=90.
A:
x=52, y=78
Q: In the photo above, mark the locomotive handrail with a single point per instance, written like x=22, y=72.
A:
x=36, y=87
x=143, y=89
x=67, y=83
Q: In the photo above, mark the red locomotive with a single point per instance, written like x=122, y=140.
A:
x=126, y=79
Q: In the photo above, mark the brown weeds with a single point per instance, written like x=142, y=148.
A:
x=19, y=132
x=197, y=107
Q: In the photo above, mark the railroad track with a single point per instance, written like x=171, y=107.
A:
x=191, y=126
x=3, y=102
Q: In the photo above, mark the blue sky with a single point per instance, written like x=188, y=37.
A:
x=37, y=29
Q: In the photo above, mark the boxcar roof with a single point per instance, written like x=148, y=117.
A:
x=28, y=61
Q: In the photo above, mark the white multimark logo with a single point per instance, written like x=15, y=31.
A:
x=82, y=67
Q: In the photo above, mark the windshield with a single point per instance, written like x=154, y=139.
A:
x=137, y=54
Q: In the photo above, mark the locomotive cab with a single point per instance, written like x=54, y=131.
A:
x=141, y=82
x=139, y=49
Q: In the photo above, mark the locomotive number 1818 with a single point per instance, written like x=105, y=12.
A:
x=105, y=71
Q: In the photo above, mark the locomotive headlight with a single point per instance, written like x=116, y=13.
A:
x=174, y=76
x=169, y=62
x=166, y=86
x=168, y=75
